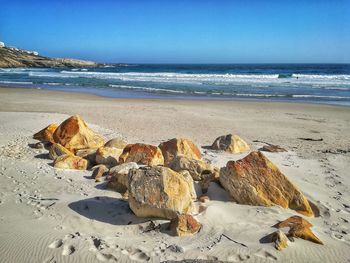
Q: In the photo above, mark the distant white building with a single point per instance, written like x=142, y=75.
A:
x=2, y=44
x=35, y=53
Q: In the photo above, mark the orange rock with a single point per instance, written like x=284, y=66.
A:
x=175, y=147
x=74, y=135
x=254, y=180
x=142, y=154
x=70, y=162
x=46, y=133
x=299, y=227
x=184, y=225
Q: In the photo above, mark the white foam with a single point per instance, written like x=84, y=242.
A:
x=16, y=82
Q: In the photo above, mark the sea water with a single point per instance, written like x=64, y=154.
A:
x=313, y=83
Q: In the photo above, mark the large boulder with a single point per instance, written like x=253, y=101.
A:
x=197, y=168
x=46, y=134
x=184, y=225
x=255, y=180
x=230, y=143
x=175, y=147
x=159, y=192
x=70, y=162
x=108, y=156
x=116, y=143
x=142, y=154
x=57, y=150
x=299, y=227
x=74, y=135
x=118, y=177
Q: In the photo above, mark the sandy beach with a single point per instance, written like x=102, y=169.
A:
x=50, y=215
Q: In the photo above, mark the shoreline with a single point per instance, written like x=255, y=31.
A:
x=193, y=99
x=144, y=95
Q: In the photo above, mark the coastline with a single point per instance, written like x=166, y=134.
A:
x=65, y=231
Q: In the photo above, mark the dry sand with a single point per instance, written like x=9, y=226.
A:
x=48, y=215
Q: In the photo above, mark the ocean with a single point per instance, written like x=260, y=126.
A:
x=310, y=83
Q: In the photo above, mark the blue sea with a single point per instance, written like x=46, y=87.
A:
x=311, y=83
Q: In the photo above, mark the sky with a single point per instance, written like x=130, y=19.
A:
x=149, y=31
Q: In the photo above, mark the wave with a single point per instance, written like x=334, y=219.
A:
x=319, y=96
x=16, y=82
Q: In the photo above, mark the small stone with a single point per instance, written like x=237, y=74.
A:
x=116, y=143
x=204, y=199
x=99, y=172
x=46, y=134
x=70, y=162
x=108, y=156
x=184, y=225
x=57, y=150
x=230, y=143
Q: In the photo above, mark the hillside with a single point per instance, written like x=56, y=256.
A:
x=14, y=58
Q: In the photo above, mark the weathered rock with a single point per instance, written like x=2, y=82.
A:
x=254, y=180
x=230, y=143
x=108, y=156
x=299, y=227
x=195, y=167
x=46, y=134
x=74, y=135
x=184, y=225
x=118, y=177
x=142, y=154
x=116, y=143
x=70, y=162
x=88, y=154
x=57, y=150
x=188, y=178
x=279, y=238
x=158, y=192
x=272, y=148
x=99, y=171
x=175, y=147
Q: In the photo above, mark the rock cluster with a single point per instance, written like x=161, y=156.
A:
x=159, y=181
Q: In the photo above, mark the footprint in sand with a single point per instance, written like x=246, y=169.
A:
x=56, y=244
x=138, y=255
x=68, y=250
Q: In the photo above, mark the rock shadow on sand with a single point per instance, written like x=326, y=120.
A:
x=105, y=209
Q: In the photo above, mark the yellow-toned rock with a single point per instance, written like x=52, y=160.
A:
x=116, y=143
x=299, y=227
x=99, y=171
x=184, y=225
x=255, y=180
x=118, y=177
x=74, y=135
x=230, y=143
x=57, y=150
x=70, y=162
x=46, y=134
x=176, y=147
x=88, y=154
x=142, y=154
x=108, y=156
x=159, y=192
x=197, y=168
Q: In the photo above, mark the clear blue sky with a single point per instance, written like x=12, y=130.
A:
x=181, y=31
